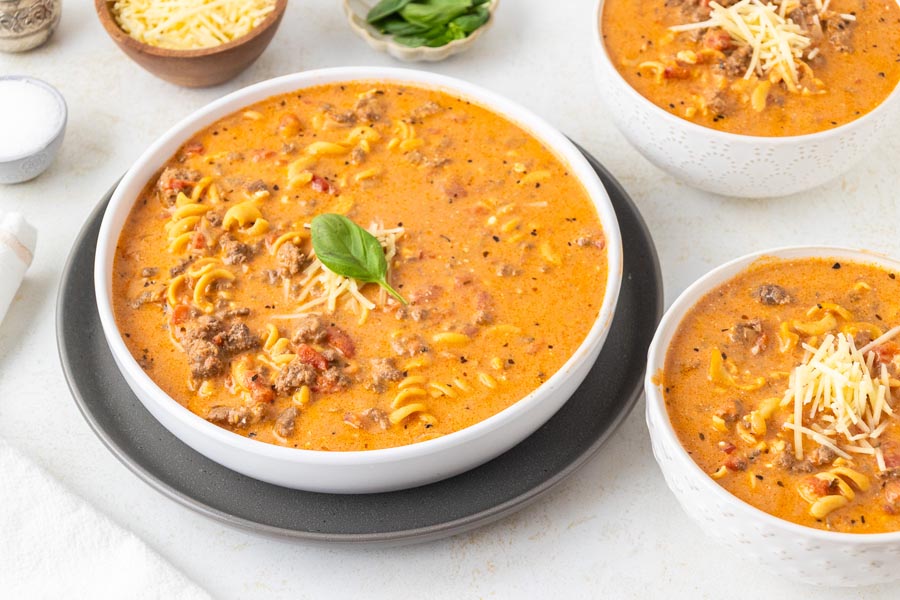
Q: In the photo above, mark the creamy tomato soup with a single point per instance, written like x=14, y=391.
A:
x=493, y=245
x=787, y=67
x=784, y=385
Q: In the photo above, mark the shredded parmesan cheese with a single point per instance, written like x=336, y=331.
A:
x=835, y=386
x=189, y=24
x=777, y=43
x=321, y=288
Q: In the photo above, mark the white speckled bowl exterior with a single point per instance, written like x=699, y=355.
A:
x=356, y=11
x=732, y=164
x=18, y=169
x=796, y=552
x=373, y=470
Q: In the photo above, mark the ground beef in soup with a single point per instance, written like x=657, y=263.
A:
x=174, y=180
x=234, y=251
x=293, y=375
x=209, y=342
x=382, y=371
x=290, y=259
x=286, y=422
x=310, y=328
x=241, y=416
x=772, y=295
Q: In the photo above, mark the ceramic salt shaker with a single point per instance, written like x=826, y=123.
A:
x=17, y=241
x=26, y=24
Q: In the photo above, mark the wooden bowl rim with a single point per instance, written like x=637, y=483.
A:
x=120, y=37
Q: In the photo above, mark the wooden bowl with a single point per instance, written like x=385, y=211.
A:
x=195, y=68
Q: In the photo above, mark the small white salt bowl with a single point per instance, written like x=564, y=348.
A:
x=31, y=131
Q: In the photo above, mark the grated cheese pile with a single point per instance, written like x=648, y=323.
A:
x=845, y=404
x=778, y=44
x=320, y=286
x=189, y=24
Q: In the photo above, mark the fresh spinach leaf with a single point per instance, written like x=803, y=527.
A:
x=349, y=250
x=384, y=9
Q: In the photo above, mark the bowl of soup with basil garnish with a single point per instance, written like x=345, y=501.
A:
x=750, y=98
x=350, y=280
x=772, y=401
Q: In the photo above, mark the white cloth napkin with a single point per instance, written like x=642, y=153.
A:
x=54, y=545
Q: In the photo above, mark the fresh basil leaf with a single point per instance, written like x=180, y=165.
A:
x=397, y=26
x=420, y=39
x=451, y=32
x=348, y=250
x=384, y=9
x=479, y=2
x=473, y=20
x=432, y=13
x=413, y=41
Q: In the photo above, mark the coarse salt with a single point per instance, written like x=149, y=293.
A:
x=30, y=116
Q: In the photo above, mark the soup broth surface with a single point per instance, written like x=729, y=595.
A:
x=735, y=357
x=848, y=65
x=494, y=244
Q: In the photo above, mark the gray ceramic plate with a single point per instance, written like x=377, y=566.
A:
x=494, y=490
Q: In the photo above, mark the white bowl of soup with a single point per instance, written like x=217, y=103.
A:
x=701, y=102
x=227, y=294
x=801, y=335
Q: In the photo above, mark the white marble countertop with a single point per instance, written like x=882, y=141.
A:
x=612, y=530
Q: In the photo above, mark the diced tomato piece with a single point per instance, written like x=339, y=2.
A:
x=338, y=338
x=309, y=355
x=717, y=40
x=320, y=184
x=260, y=389
x=886, y=352
x=179, y=185
x=891, y=452
x=814, y=487
x=192, y=148
x=199, y=241
x=289, y=126
x=891, y=492
x=676, y=73
x=261, y=155
x=735, y=462
x=180, y=314
x=726, y=447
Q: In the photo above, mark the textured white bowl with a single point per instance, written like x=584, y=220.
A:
x=796, y=552
x=374, y=470
x=728, y=163
x=356, y=11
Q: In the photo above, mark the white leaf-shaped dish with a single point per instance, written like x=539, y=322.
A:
x=356, y=11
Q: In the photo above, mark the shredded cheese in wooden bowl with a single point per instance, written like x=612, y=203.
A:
x=189, y=24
